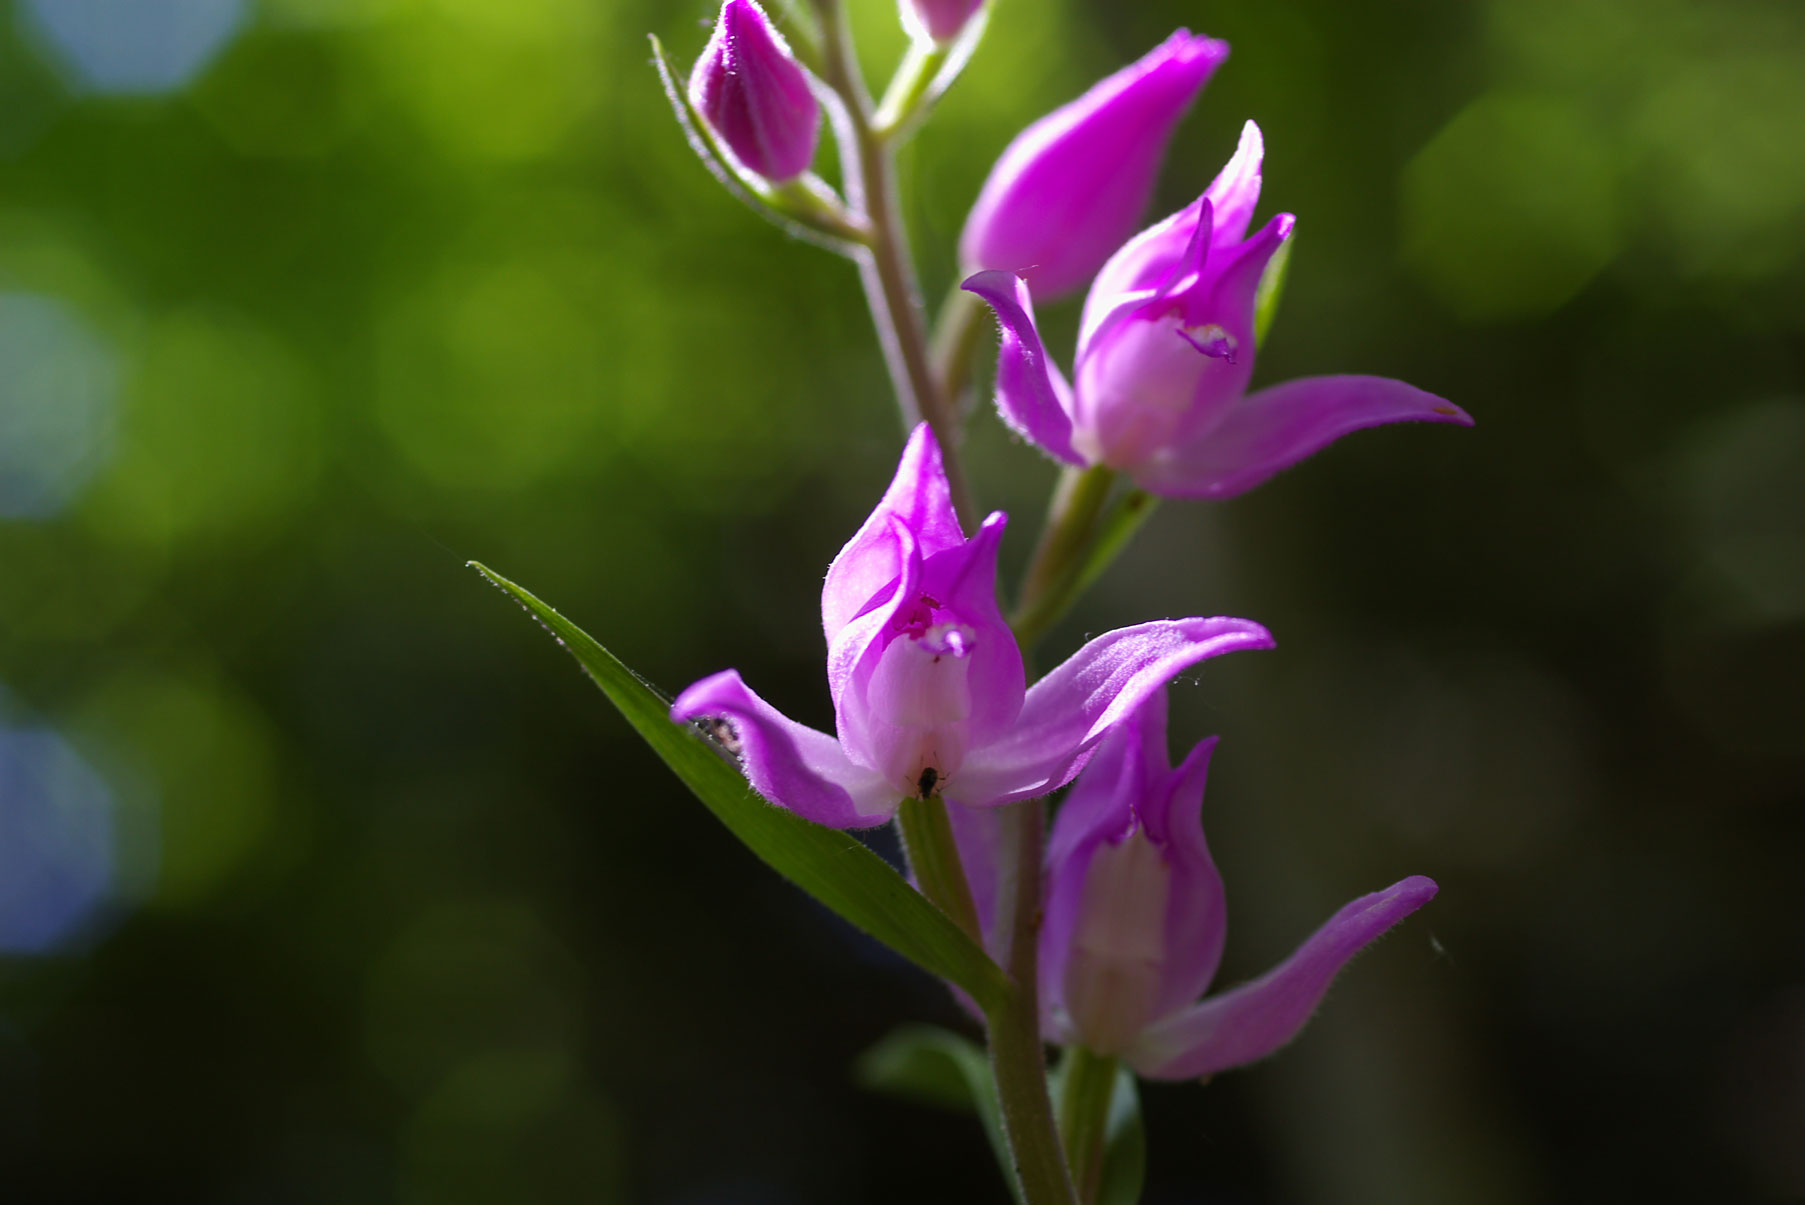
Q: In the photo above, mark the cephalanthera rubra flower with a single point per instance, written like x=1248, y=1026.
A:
x=1135, y=920
x=929, y=692
x=1165, y=352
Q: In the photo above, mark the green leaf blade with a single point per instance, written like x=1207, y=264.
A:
x=830, y=865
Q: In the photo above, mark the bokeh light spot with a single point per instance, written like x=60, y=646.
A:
x=218, y=437
x=498, y=373
x=200, y=756
x=280, y=97
x=1512, y=208
x=1742, y=484
x=135, y=46
x=466, y=978
x=57, y=398
x=512, y=1125
x=56, y=841
x=1723, y=139
x=497, y=81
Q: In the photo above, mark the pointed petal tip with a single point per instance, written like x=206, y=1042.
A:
x=1229, y=633
x=1193, y=49
x=1418, y=887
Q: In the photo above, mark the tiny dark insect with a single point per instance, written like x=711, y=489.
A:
x=930, y=777
x=721, y=732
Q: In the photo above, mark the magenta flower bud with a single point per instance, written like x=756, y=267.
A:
x=930, y=697
x=1074, y=184
x=1166, y=351
x=755, y=95
x=1135, y=923
x=938, y=20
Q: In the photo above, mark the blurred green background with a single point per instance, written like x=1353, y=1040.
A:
x=325, y=876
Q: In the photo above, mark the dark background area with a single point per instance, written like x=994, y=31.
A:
x=325, y=876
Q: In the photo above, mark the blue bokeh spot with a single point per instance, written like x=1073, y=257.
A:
x=135, y=46
x=56, y=841
x=57, y=401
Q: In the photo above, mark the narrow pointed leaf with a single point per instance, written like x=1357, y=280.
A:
x=938, y=1067
x=830, y=865
x=1124, y=1145
x=1124, y=1136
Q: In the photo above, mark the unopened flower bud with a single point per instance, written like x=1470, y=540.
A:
x=938, y=20
x=1072, y=186
x=755, y=95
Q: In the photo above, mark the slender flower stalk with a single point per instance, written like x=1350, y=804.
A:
x=1018, y=1059
x=885, y=268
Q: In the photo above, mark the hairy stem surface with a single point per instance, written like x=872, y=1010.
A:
x=1017, y=1056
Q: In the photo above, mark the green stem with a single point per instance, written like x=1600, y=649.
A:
x=884, y=266
x=1087, y=1085
x=1017, y=1055
x=927, y=836
x=1057, y=560
x=908, y=89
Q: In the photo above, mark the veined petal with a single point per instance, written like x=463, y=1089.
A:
x=1277, y=427
x=1236, y=191
x=1067, y=712
x=919, y=497
x=1100, y=807
x=1196, y=912
x=1032, y=396
x=790, y=764
x=1255, y=1019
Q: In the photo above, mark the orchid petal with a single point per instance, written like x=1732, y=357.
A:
x=1177, y=263
x=978, y=834
x=1236, y=190
x=1067, y=712
x=1071, y=186
x=854, y=651
x=1100, y=807
x=1031, y=394
x=1147, y=259
x=1255, y=1019
x=1275, y=428
x=1197, y=913
x=1136, y=270
x=790, y=764
x=1235, y=279
x=965, y=580
x=919, y=497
